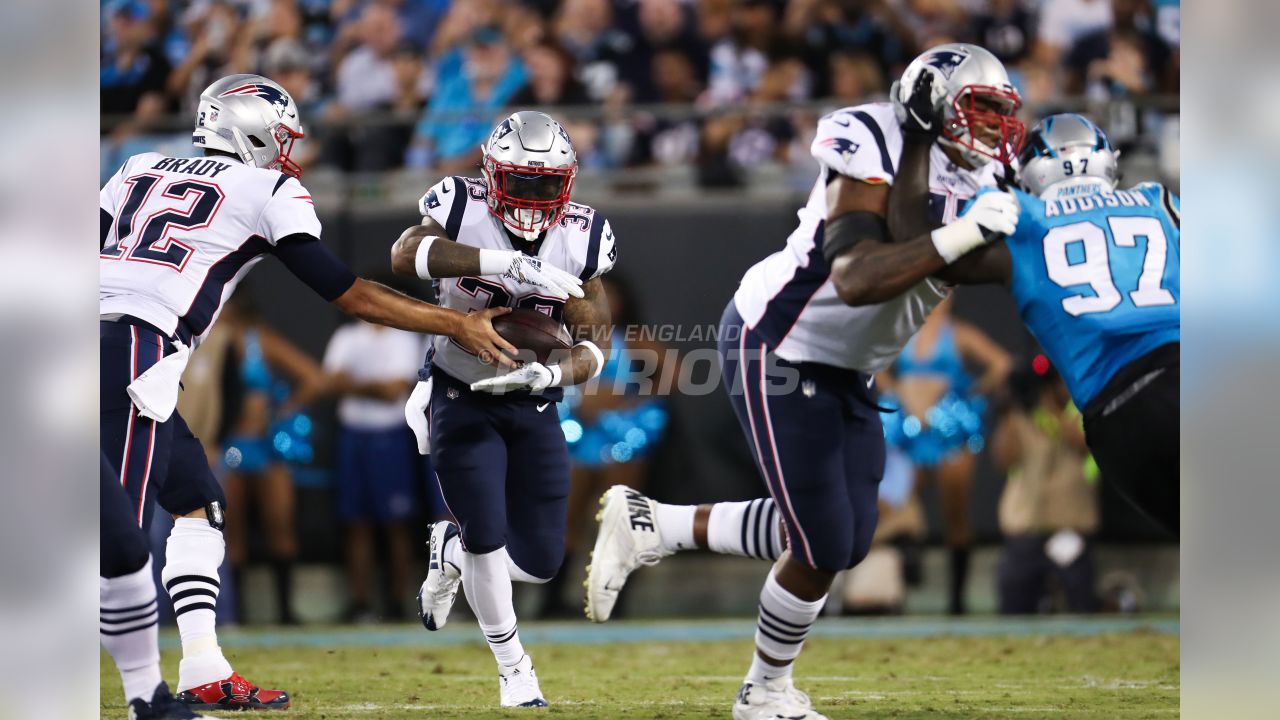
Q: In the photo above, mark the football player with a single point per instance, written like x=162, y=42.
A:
x=178, y=234
x=512, y=239
x=801, y=340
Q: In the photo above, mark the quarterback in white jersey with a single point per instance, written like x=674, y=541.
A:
x=177, y=235
x=804, y=334
x=186, y=230
x=512, y=240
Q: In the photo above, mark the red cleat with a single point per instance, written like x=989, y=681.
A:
x=234, y=693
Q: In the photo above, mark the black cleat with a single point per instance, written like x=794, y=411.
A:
x=163, y=706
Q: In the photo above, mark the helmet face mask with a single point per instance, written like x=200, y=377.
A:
x=285, y=138
x=983, y=120
x=529, y=166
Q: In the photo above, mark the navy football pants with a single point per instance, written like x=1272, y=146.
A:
x=155, y=462
x=122, y=544
x=503, y=468
x=815, y=433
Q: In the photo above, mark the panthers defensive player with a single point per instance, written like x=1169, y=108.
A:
x=801, y=340
x=514, y=240
x=178, y=234
x=1095, y=272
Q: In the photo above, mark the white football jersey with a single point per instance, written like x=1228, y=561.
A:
x=184, y=231
x=788, y=297
x=582, y=244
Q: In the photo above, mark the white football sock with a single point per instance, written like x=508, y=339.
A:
x=129, y=630
x=486, y=580
x=675, y=526
x=519, y=575
x=749, y=529
x=781, y=627
x=762, y=671
x=193, y=554
x=453, y=554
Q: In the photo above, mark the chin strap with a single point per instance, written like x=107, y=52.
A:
x=243, y=149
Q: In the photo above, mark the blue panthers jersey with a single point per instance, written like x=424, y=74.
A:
x=1096, y=279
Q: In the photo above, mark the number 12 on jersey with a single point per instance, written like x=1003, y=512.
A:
x=155, y=241
x=1096, y=269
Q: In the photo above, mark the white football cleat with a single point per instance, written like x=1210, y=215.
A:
x=519, y=685
x=440, y=589
x=628, y=537
x=773, y=700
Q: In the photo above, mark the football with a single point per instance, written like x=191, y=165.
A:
x=534, y=334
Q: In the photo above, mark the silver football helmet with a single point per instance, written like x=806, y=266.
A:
x=529, y=164
x=974, y=98
x=1066, y=150
x=252, y=118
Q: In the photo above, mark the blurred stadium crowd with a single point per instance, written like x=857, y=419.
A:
x=385, y=84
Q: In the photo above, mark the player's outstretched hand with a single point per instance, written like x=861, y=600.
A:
x=919, y=112
x=478, y=336
x=533, y=271
x=532, y=376
x=989, y=218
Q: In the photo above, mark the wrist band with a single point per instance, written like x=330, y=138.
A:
x=954, y=240
x=420, y=258
x=495, y=262
x=595, y=352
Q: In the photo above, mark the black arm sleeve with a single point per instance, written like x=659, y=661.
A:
x=106, y=221
x=850, y=229
x=313, y=263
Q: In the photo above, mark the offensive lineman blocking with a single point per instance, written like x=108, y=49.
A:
x=833, y=307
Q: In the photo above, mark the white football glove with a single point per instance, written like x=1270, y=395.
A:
x=990, y=217
x=533, y=376
x=530, y=270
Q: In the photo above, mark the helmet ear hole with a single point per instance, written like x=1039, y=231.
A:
x=254, y=141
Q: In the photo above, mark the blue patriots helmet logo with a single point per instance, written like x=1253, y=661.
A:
x=501, y=131
x=844, y=146
x=279, y=101
x=946, y=61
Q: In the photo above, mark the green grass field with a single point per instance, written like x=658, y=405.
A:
x=865, y=669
